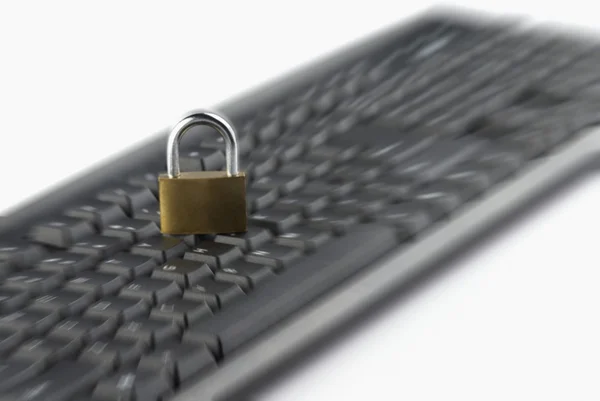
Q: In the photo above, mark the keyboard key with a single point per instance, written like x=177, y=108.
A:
x=133, y=385
x=408, y=218
x=182, y=311
x=251, y=239
x=96, y=283
x=282, y=183
x=215, y=293
x=151, y=290
x=215, y=254
x=113, y=352
x=306, y=167
x=61, y=232
x=339, y=121
x=128, y=197
x=437, y=160
x=364, y=108
x=440, y=198
x=398, y=148
x=33, y=281
x=305, y=204
x=245, y=143
x=577, y=117
x=312, y=135
x=20, y=253
x=84, y=328
x=270, y=130
x=150, y=212
x=65, y=380
x=471, y=180
x=182, y=271
x=200, y=159
x=332, y=190
x=160, y=248
x=181, y=360
x=330, y=219
x=500, y=162
x=65, y=302
x=297, y=115
x=284, y=152
x=390, y=188
x=47, y=350
x=258, y=199
x=303, y=237
x=100, y=246
x=97, y=212
x=118, y=308
x=285, y=294
x=532, y=142
x=360, y=203
x=66, y=263
x=29, y=320
x=356, y=172
x=276, y=256
x=245, y=274
x=14, y=372
x=325, y=102
x=132, y=230
x=9, y=339
x=5, y=269
x=150, y=331
x=127, y=265
x=147, y=180
x=335, y=153
x=275, y=220
x=12, y=299
x=258, y=165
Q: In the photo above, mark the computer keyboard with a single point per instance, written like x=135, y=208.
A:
x=417, y=137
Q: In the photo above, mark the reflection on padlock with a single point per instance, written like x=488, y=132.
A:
x=202, y=202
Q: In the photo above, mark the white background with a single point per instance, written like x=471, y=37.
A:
x=79, y=82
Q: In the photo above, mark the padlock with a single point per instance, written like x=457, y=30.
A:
x=202, y=202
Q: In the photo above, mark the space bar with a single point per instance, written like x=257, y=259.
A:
x=300, y=284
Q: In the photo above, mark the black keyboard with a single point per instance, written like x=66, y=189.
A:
x=366, y=170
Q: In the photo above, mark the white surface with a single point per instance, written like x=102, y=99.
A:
x=79, y=82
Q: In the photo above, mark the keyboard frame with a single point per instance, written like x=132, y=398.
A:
x=298, y=337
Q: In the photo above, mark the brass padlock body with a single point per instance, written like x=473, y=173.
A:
x=202, y=202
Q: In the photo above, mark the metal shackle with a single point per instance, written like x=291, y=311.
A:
x=210, y=119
